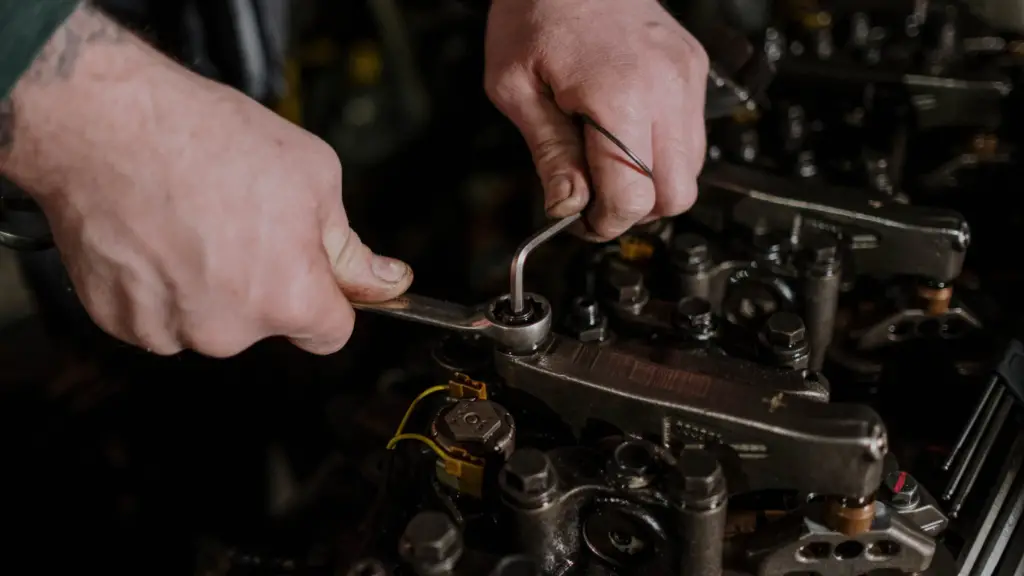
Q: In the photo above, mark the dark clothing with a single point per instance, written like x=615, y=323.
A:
x=25, y=27
x=239, y=42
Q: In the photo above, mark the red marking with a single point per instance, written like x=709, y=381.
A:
x=899, y=483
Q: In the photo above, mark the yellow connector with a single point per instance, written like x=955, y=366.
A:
x=463, y=386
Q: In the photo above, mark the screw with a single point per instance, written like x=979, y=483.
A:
x=528, y=475
x=903, y=490
x=431, y=542
x=693, y=314
x=785, y=329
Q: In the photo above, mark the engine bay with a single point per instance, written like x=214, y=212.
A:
x=815, y=371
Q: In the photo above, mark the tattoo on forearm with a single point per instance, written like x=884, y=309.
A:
x=58, y=59
x=88, y=25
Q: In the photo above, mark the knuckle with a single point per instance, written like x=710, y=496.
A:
x=214, y=342
x=676, y=201
x=503, y=86
x=633, y=203
x=329, y=164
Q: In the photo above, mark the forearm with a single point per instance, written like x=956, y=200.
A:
x=83, y=99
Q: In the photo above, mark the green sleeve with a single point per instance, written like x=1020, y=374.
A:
x=25, y=27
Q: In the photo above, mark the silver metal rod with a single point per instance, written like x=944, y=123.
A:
x=516, y=294
x=972, y=445
x=971, y=423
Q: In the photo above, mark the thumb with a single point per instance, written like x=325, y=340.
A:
x=362, y=275
x=554, y=141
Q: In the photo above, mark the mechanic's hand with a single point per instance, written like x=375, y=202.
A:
x=188, y=215
x=633, y=69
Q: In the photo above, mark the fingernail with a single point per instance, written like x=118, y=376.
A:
x=559, y=190
x=388, y=269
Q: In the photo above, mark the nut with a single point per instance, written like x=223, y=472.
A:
x=431, y=539
x=527, y=474
x=473, y=420
x=902, y=490
x=785, y=329
x=694, y=314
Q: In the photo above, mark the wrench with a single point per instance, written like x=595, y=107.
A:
x=489, y=320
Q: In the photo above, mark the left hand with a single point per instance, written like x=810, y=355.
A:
x=628, y=65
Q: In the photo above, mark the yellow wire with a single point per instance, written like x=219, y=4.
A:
x=412, y=406
x=420, y=438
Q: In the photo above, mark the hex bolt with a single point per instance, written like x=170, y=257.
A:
x=528, y=477
x=690, y=251
x=700, y=473
x=902, y=489
x=431, y=543
x=785, y=329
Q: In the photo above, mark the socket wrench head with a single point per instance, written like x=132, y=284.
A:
x=519, y=333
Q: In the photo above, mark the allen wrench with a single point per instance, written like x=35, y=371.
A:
x=517, y=300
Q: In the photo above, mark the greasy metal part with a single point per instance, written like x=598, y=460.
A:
x=480, y=427
x=784, y=336
x=989, y=536
x=488, y=321
x=846, y=442
x=516, y=565
x=695, y=317
x=850, y=517
x=803, y=543
x=903, y=495
x=431, y=544
x=936, y=298
x=913, y=323
x=516, y=293
x=691, y=257
x=700, y=496
x=821, y=288
x=586, y=321
x=961, y=440
x=885, y=239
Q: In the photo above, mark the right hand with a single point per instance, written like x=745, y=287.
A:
x=189, y=217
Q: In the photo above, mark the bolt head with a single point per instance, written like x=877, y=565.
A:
x=785, y=329
x=902, y=489
x=473, y=420
x=429, y=538
x=700, y=472
x=527, y=473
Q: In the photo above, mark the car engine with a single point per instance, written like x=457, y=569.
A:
x=818, y=370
